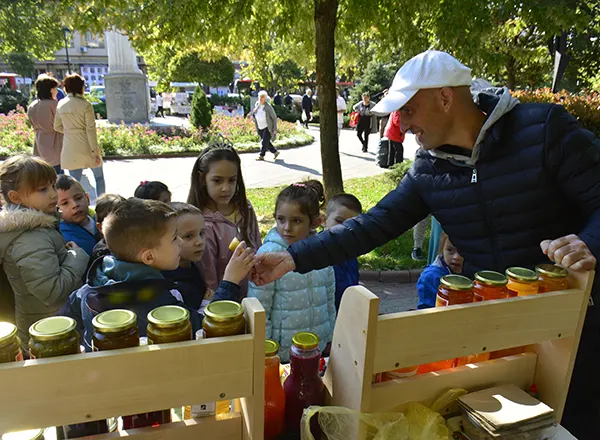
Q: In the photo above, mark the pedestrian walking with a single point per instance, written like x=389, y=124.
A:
x=341, y=109
x=159, y=105
x=367, y=121
x=307, y=107
x=265, y=120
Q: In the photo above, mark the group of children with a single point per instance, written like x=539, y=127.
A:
x=146, y=251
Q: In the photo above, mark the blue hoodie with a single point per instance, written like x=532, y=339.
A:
x=429, y=281
x=80, y=235
x=116, y=284
x=346, y=275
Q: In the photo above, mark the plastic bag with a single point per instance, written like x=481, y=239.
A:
x=426, y=424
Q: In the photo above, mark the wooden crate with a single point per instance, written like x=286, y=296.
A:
x=94, y=386
x=365, y=344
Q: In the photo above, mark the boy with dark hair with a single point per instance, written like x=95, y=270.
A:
x=339, y=209
x=76, y=223
x=105, y=204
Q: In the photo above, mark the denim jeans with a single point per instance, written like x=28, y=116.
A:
x=98, y=175
x=265, y=137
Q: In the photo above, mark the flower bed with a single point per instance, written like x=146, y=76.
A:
x=17, y=136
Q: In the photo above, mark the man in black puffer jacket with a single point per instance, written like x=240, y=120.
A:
x=512, y=185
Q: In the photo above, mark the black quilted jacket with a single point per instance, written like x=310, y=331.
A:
x=537, y=177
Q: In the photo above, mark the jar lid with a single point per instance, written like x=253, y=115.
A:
x=491, y=278
x=30, y=434
x=456, y=282
x=551, y=271
x=271, y=348
x=521, y=274
x=305, y=340
x=54, y=327
x=113, y=321
x=169, y=316
x=8, y=332
x=224, y=311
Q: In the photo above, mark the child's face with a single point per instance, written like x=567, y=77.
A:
x=338, y=216
x=190, y=228
x=165, y=197
x=167, y=254
x=42, y=198
x=221, y=182
x=452, y=258
x=73, y=204
x=292, y=224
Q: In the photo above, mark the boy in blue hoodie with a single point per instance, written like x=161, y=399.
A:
x=76, y=223
x=340, y=208
x=142, y=236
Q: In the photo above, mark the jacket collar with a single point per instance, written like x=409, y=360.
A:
x=17, y=218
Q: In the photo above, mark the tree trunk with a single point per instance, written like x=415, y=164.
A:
x=511, y=73
x=325, y=23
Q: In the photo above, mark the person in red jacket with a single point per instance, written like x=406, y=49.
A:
x=395, y=135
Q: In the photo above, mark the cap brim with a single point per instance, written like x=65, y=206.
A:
x=393, y=101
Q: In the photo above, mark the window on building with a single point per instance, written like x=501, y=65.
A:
x=93, y=40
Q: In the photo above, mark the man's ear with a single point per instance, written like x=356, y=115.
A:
x=87, y=196
x=446, y=98
x=147, y=256
x=99, y=227
x=15, y=197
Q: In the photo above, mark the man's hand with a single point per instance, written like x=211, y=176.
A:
x=271, y=266
x=570, y=252
x=240, y=264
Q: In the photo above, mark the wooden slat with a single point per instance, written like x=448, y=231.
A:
x=253, y=408
x=418, y=337
x=93, y=386
x=393, y=395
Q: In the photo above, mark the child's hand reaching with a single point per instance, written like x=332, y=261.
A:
x=240, y=264
x=71, y=245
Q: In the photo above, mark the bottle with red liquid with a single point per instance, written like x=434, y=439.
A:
x=304, y=386
x=274, y=394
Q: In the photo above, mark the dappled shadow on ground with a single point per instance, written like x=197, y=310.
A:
x=296, y=167
x=369, y=158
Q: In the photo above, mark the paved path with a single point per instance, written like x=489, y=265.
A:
x=123, y=176
x=393, y=297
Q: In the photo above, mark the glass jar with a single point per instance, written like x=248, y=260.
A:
x=454, y=289
x=53, y=336
x=552, y=278
x=223, y=318
x=30, y=434
x=489, y=285
x=303, y=387
x=10, y=344
x=522, y=282
x=274, y=394
x=168, y=324
x=115, y=329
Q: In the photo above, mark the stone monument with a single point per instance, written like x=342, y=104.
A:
x=126, y=86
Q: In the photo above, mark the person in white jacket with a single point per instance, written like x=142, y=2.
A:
x=341, y=109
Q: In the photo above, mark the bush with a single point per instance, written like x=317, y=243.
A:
x=11, y=99
x=100, y=110
x=316, y=117
x=397, y=171
x=584, y=106
x=285, y=114
x=231, y=100
x=201, y=110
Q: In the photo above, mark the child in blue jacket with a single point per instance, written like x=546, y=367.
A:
x=447, y=262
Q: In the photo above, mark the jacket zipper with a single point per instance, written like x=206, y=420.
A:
x=474, y=176
x=488, y=223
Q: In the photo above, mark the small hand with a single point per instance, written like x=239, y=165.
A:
x=240, y=264
x=72, y=245
x=569, y=252
x=271, y=266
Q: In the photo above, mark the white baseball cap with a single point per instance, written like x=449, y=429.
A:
x=428, y=70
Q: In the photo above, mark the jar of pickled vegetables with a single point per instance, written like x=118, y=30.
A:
x=168, y=324
x=552, y=278
x=223, y=318
x=454, y=289
x=53, y=336
x=115, y=329
x=489, y=285
x=10, y=344
x=30, y=434
x=521, y=282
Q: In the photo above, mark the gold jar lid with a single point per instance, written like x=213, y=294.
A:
x=113, y=321
x=169, y=316
x=223, y=311
x=491, y=278
x=521, y=274
x=271, y=348
x=305, y=340
x=30, y=434
x=551, y=271
x=54, y=327
x=8, y=332
x=456, y=282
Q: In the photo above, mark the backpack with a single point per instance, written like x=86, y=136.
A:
x=386, y=153
x=354, y=117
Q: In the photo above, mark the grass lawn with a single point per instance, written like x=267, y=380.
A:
x=369, y=190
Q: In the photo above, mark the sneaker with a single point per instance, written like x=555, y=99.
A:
x=260, y=158
x=417, y=254
x=275, y=155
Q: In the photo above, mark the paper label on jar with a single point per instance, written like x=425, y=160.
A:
x=200, y=335
x=440, y=302
x=19, y=356
x=204, y=409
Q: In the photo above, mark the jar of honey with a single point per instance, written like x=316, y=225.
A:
x=115, y=329
x=168, y=324
x=552, y=278
x=454, y=289
x=522, y=282
x=223, y=318
x=10, y=344
x=489, y=285
x=53, y=336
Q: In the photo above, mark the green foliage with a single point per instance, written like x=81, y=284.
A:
x=190, y=66
x=285, y=114
x=21, y=63
x=231, y=100
x=376, y=78
x=584, y=107
x=201, y=110
x=11, y=100
x=397, y=171
x=100, y=110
